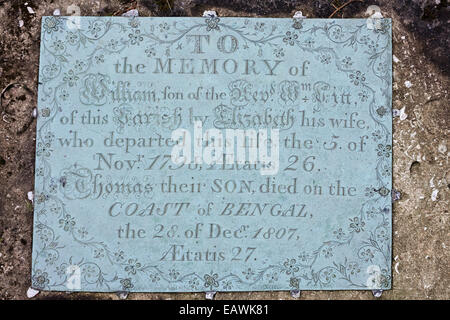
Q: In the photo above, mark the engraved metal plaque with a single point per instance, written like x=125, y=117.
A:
x=213, y=154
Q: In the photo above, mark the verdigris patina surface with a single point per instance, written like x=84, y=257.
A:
x=117, y=99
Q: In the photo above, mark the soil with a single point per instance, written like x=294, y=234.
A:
x=421, y=170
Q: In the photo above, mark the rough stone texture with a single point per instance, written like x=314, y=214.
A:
x=421, y=218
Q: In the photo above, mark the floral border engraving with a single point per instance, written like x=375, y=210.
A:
x=296, y=272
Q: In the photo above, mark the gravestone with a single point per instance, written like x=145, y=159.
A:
x=213, y=154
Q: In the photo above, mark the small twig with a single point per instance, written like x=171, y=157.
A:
x=120, y=11
x=168, y=3
x=343, y=6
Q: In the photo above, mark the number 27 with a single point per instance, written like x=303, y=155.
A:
x=237, y=253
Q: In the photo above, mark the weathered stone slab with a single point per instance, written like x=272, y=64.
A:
x=113, y=212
